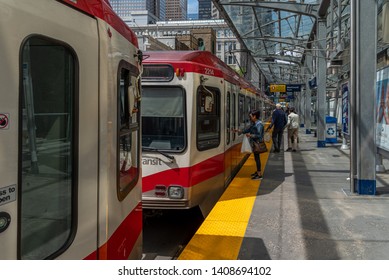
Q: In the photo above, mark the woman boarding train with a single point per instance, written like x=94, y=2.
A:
x=255, y=133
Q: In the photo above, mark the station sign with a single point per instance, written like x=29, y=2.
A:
x=277, y=88
x=292, y=88
x=284, y=88
x=312, y=83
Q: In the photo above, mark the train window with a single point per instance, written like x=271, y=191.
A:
x=242, y=114
x=48, y=154
x=208, y=118
x=247, y=110
x=233, y=115
x=228, y=118
x=163, y=118
x=128, y=132
x=163, y=73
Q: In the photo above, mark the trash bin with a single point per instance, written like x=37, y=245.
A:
x=331, y=129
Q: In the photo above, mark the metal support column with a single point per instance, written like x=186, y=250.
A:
x=344, y=140
x=379, y=164
x=363, y=79
x=301, y=111
x=336, y=104
x=262, y=77
x=321, y=81
x=308, y=94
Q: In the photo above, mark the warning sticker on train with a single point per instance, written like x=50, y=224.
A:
x=4, y=121
x=7, y=194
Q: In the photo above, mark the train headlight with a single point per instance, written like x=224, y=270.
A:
x=176, y=192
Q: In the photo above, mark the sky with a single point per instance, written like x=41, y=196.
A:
x=192, y=6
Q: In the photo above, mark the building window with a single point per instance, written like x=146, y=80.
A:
x=200, y=44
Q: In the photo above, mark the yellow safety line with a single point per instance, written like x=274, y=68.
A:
x=221, y=234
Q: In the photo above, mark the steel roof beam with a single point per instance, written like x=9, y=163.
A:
x=304, y=9
x=288, y=41
x=323, y=8
x=286, y=65
x=288, y=58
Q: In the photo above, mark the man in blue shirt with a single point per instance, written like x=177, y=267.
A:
x=278, y=120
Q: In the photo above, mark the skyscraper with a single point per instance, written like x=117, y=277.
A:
x=124, y=8
x=205, y=9
x=176, y=9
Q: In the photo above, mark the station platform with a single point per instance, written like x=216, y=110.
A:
x=302, y=209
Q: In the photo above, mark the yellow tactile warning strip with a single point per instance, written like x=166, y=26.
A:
x=222, y=232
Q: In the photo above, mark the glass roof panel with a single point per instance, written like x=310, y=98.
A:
x=275, y=32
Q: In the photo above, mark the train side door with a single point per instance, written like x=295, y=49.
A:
x=234, y=124
x=228, y=137
x=48, y=182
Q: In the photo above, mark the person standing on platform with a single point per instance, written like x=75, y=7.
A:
x=287, y=110
x=293, y=129
x=278, y=120
x=255, y=133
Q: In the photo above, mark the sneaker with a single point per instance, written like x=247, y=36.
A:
x=255, y=173
x=257, y=177
x=294, y=150
x=288, y=149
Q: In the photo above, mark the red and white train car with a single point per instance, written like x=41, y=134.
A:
x=70, y=179
x=191, y=104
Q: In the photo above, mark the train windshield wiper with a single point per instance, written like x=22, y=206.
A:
x=158, y=151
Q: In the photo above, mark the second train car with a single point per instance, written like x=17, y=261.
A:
x=191, y=104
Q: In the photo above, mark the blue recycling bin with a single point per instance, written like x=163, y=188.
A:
x=331, y=130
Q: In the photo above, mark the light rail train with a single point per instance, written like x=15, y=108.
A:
x=70, y=157
x=191, y=104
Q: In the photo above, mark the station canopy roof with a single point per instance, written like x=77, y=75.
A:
x=275, y=33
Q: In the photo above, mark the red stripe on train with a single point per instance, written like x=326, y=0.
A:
x=122, y=241
x=103, y=10
x=187, y=176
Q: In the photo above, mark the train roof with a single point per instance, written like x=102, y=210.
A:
x=191, y=55
x=102, y=9
x=204, y=58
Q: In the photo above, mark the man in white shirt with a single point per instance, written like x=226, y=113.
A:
x=293, y=129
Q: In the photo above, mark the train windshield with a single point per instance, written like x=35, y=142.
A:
x=163, y=118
